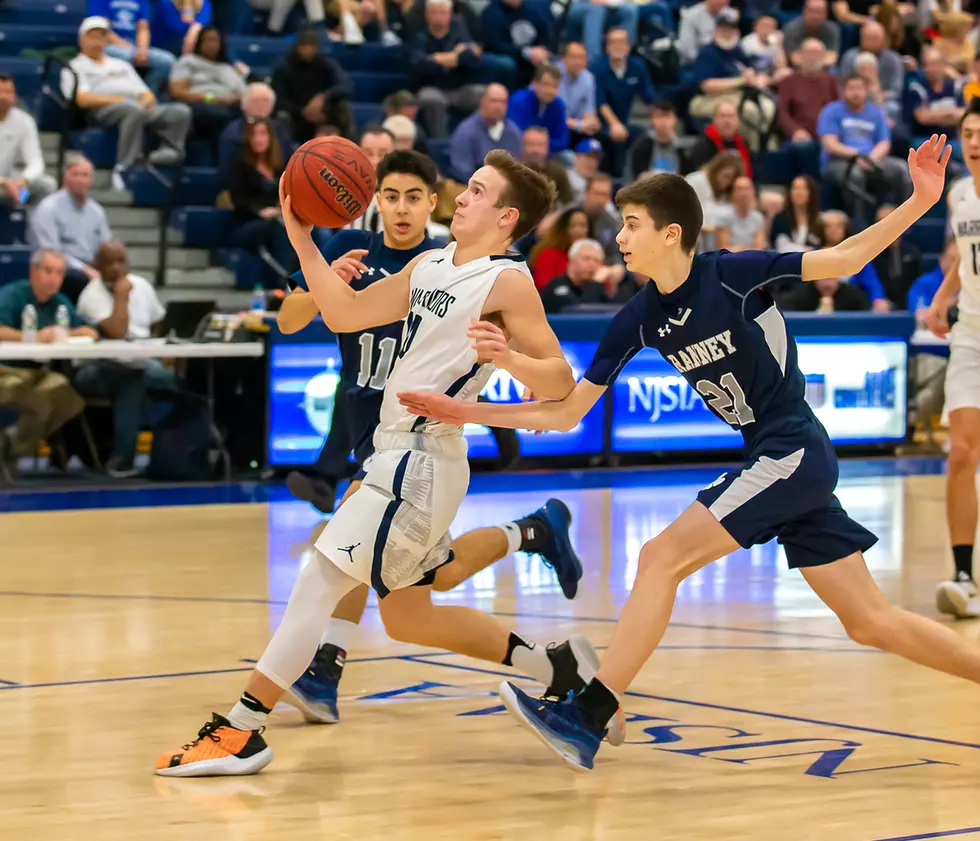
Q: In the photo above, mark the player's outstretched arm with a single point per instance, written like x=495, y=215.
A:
x=927, y=166
x=537, y=359
x=561, y=415
x=298, y=309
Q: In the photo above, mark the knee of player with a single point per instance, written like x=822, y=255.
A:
x=398, y=626
x=661, y=561
x=964, y=453
x=874, y=629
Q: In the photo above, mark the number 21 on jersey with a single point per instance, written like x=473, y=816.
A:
x=728, y=400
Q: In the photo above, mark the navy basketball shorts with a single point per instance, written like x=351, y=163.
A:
x=786, y=490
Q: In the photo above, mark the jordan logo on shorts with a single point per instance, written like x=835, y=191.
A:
x=349, y=550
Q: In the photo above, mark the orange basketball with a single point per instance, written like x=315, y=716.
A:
x=330, y=182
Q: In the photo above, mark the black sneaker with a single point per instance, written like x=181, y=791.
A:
x=117, y=468
x=320, y=493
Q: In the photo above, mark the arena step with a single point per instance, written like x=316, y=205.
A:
x=213, y=277
x=135, y=217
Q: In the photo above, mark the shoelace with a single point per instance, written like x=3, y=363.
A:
x=206, y=732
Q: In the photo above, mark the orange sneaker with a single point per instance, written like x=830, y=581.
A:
x=219, y=750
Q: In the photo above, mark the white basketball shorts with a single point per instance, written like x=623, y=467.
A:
x=963, y=371
x=394, y=530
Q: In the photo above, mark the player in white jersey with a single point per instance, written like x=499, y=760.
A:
x=394, y=529
x=962, y=285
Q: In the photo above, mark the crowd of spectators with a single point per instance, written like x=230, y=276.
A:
x=605, y=94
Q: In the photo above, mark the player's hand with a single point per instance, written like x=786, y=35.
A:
x=432, y=404
x=297, y=230
x=489, y=342
x=349, y=266
x=927, y=167
x=937, y=318
x=527, y=397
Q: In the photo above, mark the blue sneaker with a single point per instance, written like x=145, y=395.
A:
x=558, y=553
x=314, y=693
x=558, y=724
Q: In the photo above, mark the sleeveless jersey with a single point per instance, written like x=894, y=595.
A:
x=965, y=220
x=435, y=353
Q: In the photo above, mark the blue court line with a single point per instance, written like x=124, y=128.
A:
x=281, y=602
x=205, y=673
x=9, y=683
x=946, y=833
x=705, y=705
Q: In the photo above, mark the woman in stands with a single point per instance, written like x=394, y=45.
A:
x=254, y=190
x=713, y=183
x=798, y=227
x=207, y=82
x=549, y=257
x=178, y=23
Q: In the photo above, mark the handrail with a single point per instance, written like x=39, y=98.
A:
x=68, y=105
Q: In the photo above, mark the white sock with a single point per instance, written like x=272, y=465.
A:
x=532, y=659
x=340, y=633
x=318, y=589
x=512, y=532
x=243, y=718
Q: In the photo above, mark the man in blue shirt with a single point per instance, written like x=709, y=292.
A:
x=486, y=129
x=851, y=128
x=933, y=101
x=521, y=30
x=620, y=78
x=577, y=91
x=539, y=105
x=711, y=318
x=129, y=38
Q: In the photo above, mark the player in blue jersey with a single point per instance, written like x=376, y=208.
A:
x=710, y=316
x=406, y=197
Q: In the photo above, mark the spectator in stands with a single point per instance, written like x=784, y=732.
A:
x=743, y=227
x=799, y=227
x=444, y=60
x=764, y=47
x=604, y=223
x=812, y=23
x=585, y=165
x=697, y=28
x=837, y=228
x=534, y=153
x=891, y=72
x=177, y=24
x=804, y=93
x=897, y=266
x=955, y=43
x=523, y=31
x=724, y=73
x=43, y=400
x=925, y=286
x=402, y=130
x=253, y=180
x=851, y=128
x=589, y=19
x=123, y=306
x=582, y=282
x=620, y=78
x=129, y=38
x=313, y=89
x=416, y=17
x=404, y=103
x=487, y=129
x=907, y=41
x=577, y=91
x=659, y=149
x=933, y=100
x=209, y=85
x=853, y=11
x=866, y=66
x=826, y=296
x=375, y=142
x=114, y=95
x=279, y=11
x=22, y=175
x=539, y=105
x=258, y=103
x=713, y=183
x=722, y=135
x=549, y=257
x=71, y=223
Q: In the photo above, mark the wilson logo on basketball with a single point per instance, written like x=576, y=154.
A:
x=344, y=196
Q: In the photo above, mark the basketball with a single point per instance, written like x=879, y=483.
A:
x=330, y=182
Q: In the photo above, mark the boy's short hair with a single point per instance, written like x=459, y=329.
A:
x=531, y=192
x=408, y=162
x=669, y=200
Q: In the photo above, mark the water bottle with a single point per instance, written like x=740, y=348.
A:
x=62, y=319
x=28, y=324
x=258, y=299
x=920, y=313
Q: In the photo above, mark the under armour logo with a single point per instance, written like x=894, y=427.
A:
x=349, y=550
x=370, y=271
x=663, y=331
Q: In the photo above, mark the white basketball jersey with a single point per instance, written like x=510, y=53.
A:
x=965, y=221
x=436, y=354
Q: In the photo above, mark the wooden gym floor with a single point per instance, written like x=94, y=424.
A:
x=122, y=628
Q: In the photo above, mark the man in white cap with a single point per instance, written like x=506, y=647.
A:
x=113, y=94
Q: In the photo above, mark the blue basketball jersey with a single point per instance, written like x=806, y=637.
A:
x=367, y=356
x=723, y=333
